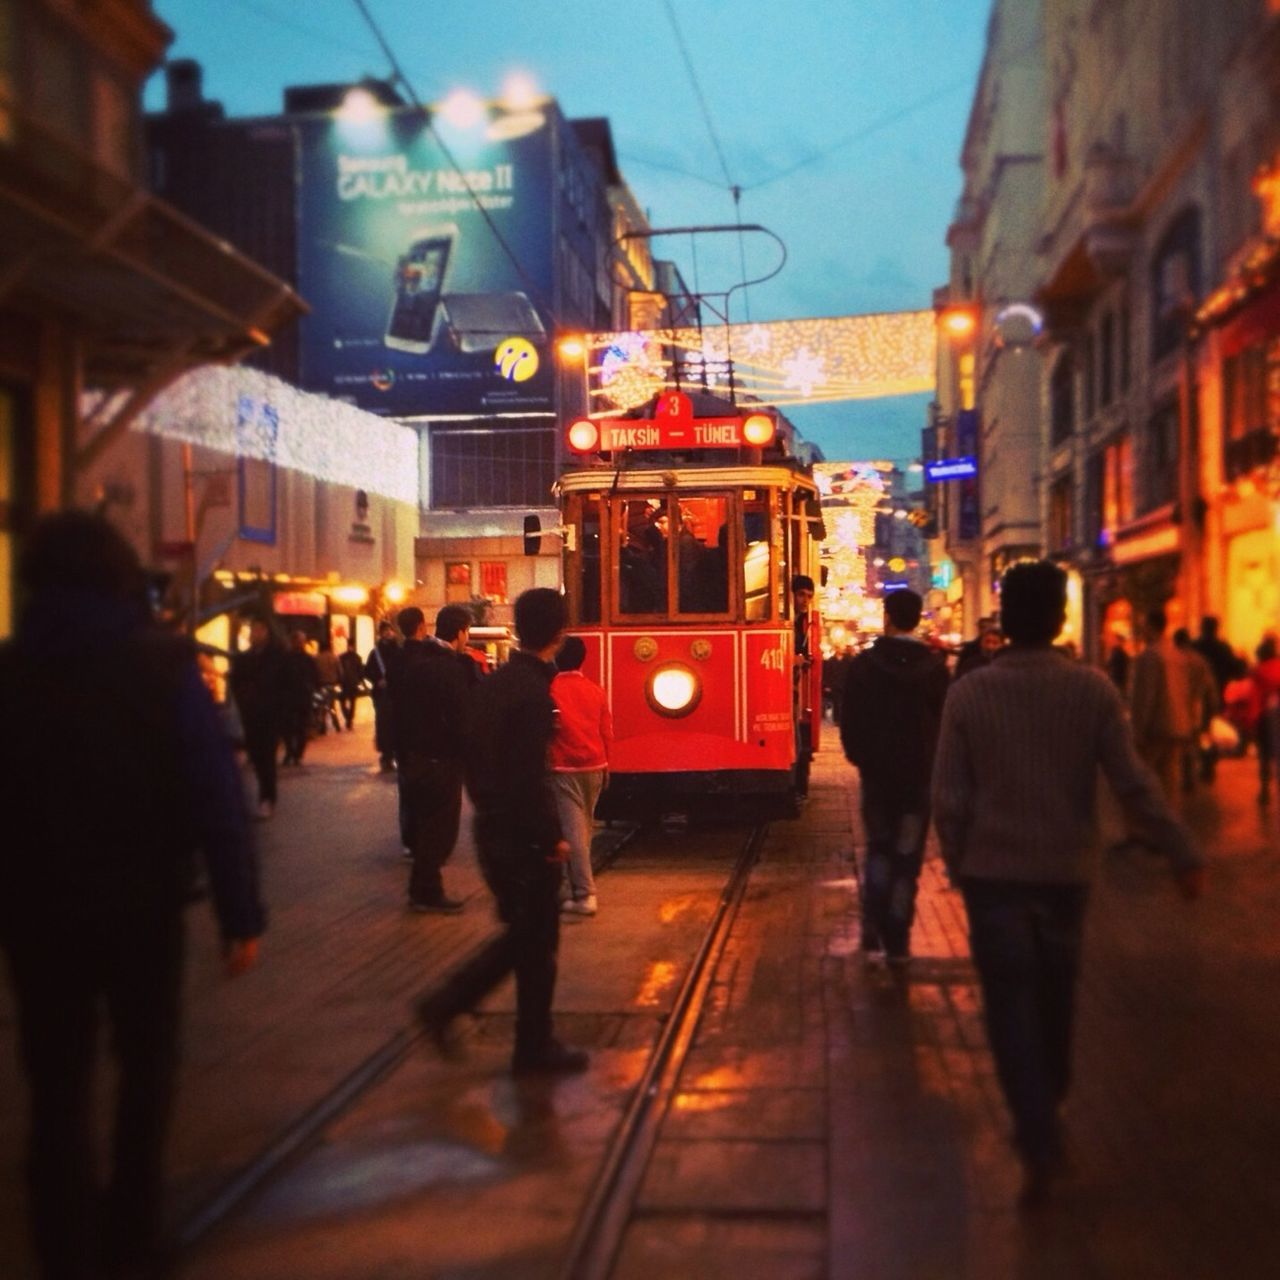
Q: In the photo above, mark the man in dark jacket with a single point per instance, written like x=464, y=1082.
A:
x=429, y=694
x=257, y=684
x=120, y=772
x=889, y=724
x=517, y=829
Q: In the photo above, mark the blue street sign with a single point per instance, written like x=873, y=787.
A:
x=951, y=469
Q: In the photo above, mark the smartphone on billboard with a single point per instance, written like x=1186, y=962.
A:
x=419, y=282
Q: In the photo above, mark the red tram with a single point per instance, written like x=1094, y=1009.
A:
x=682, y=531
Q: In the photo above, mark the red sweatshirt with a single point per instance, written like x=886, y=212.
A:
x=584, y=727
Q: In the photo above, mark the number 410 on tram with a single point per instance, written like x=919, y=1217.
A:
x=682, y=532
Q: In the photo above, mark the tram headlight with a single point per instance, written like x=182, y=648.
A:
x=584, y=436
x=673, y=690
x=758, y=429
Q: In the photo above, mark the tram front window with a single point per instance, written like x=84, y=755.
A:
x=702, y=556
x=642, y=560
x=755, y=565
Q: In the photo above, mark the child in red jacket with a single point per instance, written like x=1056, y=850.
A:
x=580, y=765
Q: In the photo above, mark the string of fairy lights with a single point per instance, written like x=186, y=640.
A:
x=783, y=362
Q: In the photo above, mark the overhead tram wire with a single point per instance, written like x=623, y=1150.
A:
x=272, y=14
x=401, y=79
x=735, y=189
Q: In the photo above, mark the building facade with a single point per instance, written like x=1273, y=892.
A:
x=1146, y=127
x=445, y=252
x=106, y=294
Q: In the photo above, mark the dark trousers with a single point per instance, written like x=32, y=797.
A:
x=895, y=828
x=347, y=705
x=431, y=794
x=1026, y=941
x=134, y=968
x=261, y=743
x=527, y=889
x=383, y=737
x=296, y=731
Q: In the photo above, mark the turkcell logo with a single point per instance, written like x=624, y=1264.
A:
x=516, y=359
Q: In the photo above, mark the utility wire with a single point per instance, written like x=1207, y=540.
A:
x=400, y=78
x=315, y=33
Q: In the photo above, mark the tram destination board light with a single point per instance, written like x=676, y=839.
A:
x=951, y=469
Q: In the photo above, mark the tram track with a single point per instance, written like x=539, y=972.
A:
x=602, y=1224
x=305, y=1130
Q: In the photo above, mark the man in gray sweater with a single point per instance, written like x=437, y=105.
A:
x=1015, y=804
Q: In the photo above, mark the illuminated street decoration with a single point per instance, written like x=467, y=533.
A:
x=324, y=438
x=781, y=362
x=851, y=495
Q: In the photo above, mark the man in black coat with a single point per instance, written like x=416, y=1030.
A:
x=119, y=773
x=889, y=725
x=429, y=694
x=517, y=829
x=257, y=683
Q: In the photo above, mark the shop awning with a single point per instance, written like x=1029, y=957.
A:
x=148, y=292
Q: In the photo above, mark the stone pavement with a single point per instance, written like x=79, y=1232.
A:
x=837, y=1120
x=832, y=1120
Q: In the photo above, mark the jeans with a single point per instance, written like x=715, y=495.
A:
x=1026, y=941
x=576, y=796
x=896, y=829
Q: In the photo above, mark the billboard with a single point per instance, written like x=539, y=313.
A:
x=416, y=307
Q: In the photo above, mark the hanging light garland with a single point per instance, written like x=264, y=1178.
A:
x=250, y=414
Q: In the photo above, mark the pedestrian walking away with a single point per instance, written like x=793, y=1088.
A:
x=377, y=670
x=518, y=836
x=301, y=683
x=429, y=694
x=893, y=698
x=120, y=773
x=258, y=682
x=1015, y=803
x=1161, y=705
x=805, y=653
x=350, y=677
x=580, y=762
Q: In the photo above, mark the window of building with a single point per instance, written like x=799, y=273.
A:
x=493, y=580
x=1175, y=281
x=1250, y=406
x=1110, y=492
x=1061, y=524
x=1106, y=360
x=457, y=581
x=1090, y=375
x=492, y=465
x=1160, y=460
x=1125, y=353
x=1062, y=399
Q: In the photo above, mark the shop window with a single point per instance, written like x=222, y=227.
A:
x=1175, y=282
x=1250, y=406
x=493, y=580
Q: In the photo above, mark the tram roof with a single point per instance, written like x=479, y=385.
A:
x=732, y=477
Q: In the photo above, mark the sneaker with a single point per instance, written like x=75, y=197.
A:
x=265, y=809
x=443, y=905
x=579, y=906
x=555, y=1060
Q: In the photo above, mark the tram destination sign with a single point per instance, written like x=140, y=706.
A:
x=673, y=427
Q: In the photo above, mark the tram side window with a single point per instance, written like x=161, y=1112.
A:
x=755, y=564
x=642, y=561
x=702, y=555
x=590, y=561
